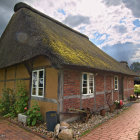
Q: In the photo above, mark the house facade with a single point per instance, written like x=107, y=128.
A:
x=60, y=67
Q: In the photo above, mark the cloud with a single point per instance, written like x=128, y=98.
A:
x=112, y=2
x=120, y=29
x=134, y=5
x=124, y=52
x=75, y=20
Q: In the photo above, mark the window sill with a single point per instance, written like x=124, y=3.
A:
x=86, y=96
x=33, y=96
x=115, y=90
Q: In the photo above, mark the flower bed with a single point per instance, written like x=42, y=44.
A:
x=78, y=127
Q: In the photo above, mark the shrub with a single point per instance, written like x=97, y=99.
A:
x=7, y=102
x=21, y=98
x=34, y=115
x=137, y=89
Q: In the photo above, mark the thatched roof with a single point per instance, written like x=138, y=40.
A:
x=31, y=33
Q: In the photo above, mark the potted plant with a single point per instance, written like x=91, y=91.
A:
x=133, y=97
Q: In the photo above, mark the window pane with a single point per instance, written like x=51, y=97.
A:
x=41, y=82
x=84, y=90
x=41, y=74
x=34, y=79
x=34, y=91
x=116, y=86
x=91, y=90
x=84, y=76
x=116, y=78
x=115, y=82
x=91, y=83
x=40, y=92
x=91, y=77
x=84, y=83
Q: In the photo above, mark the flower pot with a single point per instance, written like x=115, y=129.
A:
x=102, y=112
x=132, y=99
x=22, y=118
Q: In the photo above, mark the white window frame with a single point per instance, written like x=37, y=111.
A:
x=115, y=84
x=88, y=93
x=37, y=88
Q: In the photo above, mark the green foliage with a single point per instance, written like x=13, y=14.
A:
x=21, y=98
x=7, y=102
x=34, y=115
x=12, y=102
x=135, y=66
x=137, y=89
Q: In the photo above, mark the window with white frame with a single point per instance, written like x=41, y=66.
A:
x=87, y=83
x=38, y=83
x=116, y=82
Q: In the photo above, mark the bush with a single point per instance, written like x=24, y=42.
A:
x=34, y=115
x=7, y=102
x=21, y=98
x=137, y=89
x=12, y=102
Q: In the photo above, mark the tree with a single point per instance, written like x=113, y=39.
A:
x=135, y=66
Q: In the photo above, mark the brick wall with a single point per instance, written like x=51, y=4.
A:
x=128, y=87
x=115, y=96
x=71, y=103
x=99, y=80
x=72, y=89
x=71, y=82
x=88, y=103
x=99, y=101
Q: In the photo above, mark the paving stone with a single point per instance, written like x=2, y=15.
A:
x=124, y=127
x=9, y=131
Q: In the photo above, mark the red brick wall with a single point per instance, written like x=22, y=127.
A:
x=71, y=82
x=115, y=96
x=88, y=103
x=99, y=80
x=71, y=103
x=128, y=87
x=108, y=82
x=72, y=87
x=99, y=101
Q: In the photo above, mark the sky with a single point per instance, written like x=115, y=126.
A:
x=112, y=25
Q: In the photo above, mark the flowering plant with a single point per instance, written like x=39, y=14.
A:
x=132, y=96
x=25, y=108
x=117, y=102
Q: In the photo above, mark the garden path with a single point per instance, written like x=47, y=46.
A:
x=9, y=131
x=122, y=127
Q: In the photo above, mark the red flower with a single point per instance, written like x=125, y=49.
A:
x=25, y=108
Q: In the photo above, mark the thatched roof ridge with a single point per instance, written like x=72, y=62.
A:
x=31, y=33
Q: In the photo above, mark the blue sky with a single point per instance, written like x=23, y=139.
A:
x=113, y=25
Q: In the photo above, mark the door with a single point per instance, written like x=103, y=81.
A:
x=121, y=92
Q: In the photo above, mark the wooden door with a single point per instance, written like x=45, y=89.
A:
x=121, y=91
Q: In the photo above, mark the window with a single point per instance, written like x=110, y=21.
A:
x=116, y=82
x=38, y=83
x=87, y=83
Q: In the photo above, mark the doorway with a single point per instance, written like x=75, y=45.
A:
x=121, y=91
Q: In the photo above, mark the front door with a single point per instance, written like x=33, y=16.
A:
x=121, y=88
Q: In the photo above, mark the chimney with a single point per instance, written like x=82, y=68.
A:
x=125, y=64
